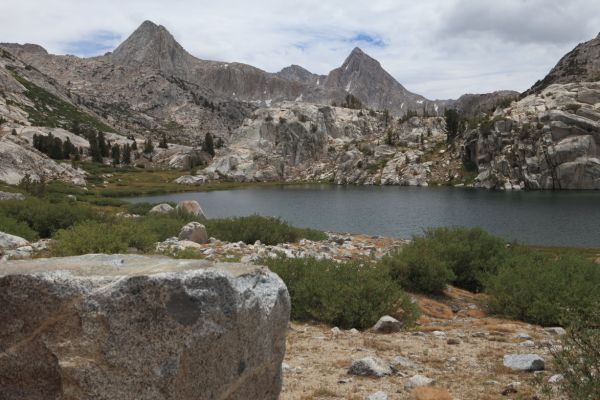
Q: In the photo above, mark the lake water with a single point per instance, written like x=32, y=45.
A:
x=566, y=218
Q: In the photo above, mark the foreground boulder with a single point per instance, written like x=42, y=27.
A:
x=387, y=324
x=138, y=327
x=370, y=366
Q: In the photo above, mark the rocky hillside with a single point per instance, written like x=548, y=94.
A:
x=582, y=64
x=545, y=141
x=305, y=142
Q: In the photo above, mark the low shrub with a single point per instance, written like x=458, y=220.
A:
x=463, y=257
x=107, y=237
x=537, y=288
x=18, y=228
x=578, y=359
x=46, y=217
x=351, y=294
x=268, y=230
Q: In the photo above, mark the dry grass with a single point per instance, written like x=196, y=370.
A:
x=429, y=393
x=434, y=309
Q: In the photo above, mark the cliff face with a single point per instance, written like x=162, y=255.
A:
x=548, y=140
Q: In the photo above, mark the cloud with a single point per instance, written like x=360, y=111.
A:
x=438, y=48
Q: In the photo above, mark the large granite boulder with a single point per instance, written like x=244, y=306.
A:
x=190, y=207
x=139, y=327
x=194, y=232
x=8, y=241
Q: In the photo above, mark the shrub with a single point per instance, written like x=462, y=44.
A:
x=268, y=230
x=14, y=227
x=93, y=237
x=351, y=294
x=45, y=217
x=461, y=256
x=537, y=288
x=579, y=358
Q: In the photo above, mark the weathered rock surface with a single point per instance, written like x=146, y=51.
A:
x=137, y=327
x=8, y=241
x=524, y=362
x=418, y=381
x=194, y=232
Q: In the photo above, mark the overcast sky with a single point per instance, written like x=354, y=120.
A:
x=437, y=48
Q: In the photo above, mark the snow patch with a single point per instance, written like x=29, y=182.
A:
x=436, y=108
x=348, y=86
x=268, y=102
x=419, y=101
x=299, y=98
x=318, y=81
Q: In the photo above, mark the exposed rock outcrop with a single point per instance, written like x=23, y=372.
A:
x=548, y=140
x=132, y=327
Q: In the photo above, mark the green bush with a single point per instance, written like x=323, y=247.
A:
x=94, y=237
x=463, y=257
x=45, y=217
x=14, y=227
x=351, y=294
x=268, y=230
x=537, y=288
x=579, y=358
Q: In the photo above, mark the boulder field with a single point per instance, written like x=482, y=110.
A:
x=140, y=327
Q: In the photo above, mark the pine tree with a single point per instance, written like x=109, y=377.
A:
x=209, y=145
x=134, y=145
x=102, y=145
x=148, y=146
x=163, y=142
x=452, y=123
x=116, y=154
x=94, y=148
x=126, y=156
x=68, y=149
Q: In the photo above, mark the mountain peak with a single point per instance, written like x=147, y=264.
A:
x=153, y=46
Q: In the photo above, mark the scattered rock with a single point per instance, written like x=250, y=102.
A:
x=163, y=208
x=190, y=207
x=370, y=366
x=137, y=327
x=556, y=379
x=527, y=343
x=402, y=362
x=418, y=381
x=453, y=341
x=387, y=324
x=524, y=362
x=194, y=232
x=523, y=335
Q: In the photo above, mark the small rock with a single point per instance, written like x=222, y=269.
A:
x=556, y=331
x=523, y=335
x=418, y=381
x=527, y=343
x=71, y=197
x=402, y=362
x=491, y=383
x=387, y=324
x=354, y=331
x=4, y=196
x=479, y=335
x=555, y=379
x=335, y=331
x=453, y=341
x=194, y=232
x=524, y=362
x=378, y=396
x=343, y=381
x=438, y=333
x=163, y=208
x=370, y=366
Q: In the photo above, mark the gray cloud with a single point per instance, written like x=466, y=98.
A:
x=438, y=48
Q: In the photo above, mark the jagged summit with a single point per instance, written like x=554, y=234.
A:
x=579, y=65
x=152, y=45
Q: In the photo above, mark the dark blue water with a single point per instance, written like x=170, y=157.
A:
x=542, y=218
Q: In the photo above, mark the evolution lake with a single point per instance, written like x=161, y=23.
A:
x=546, y=218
